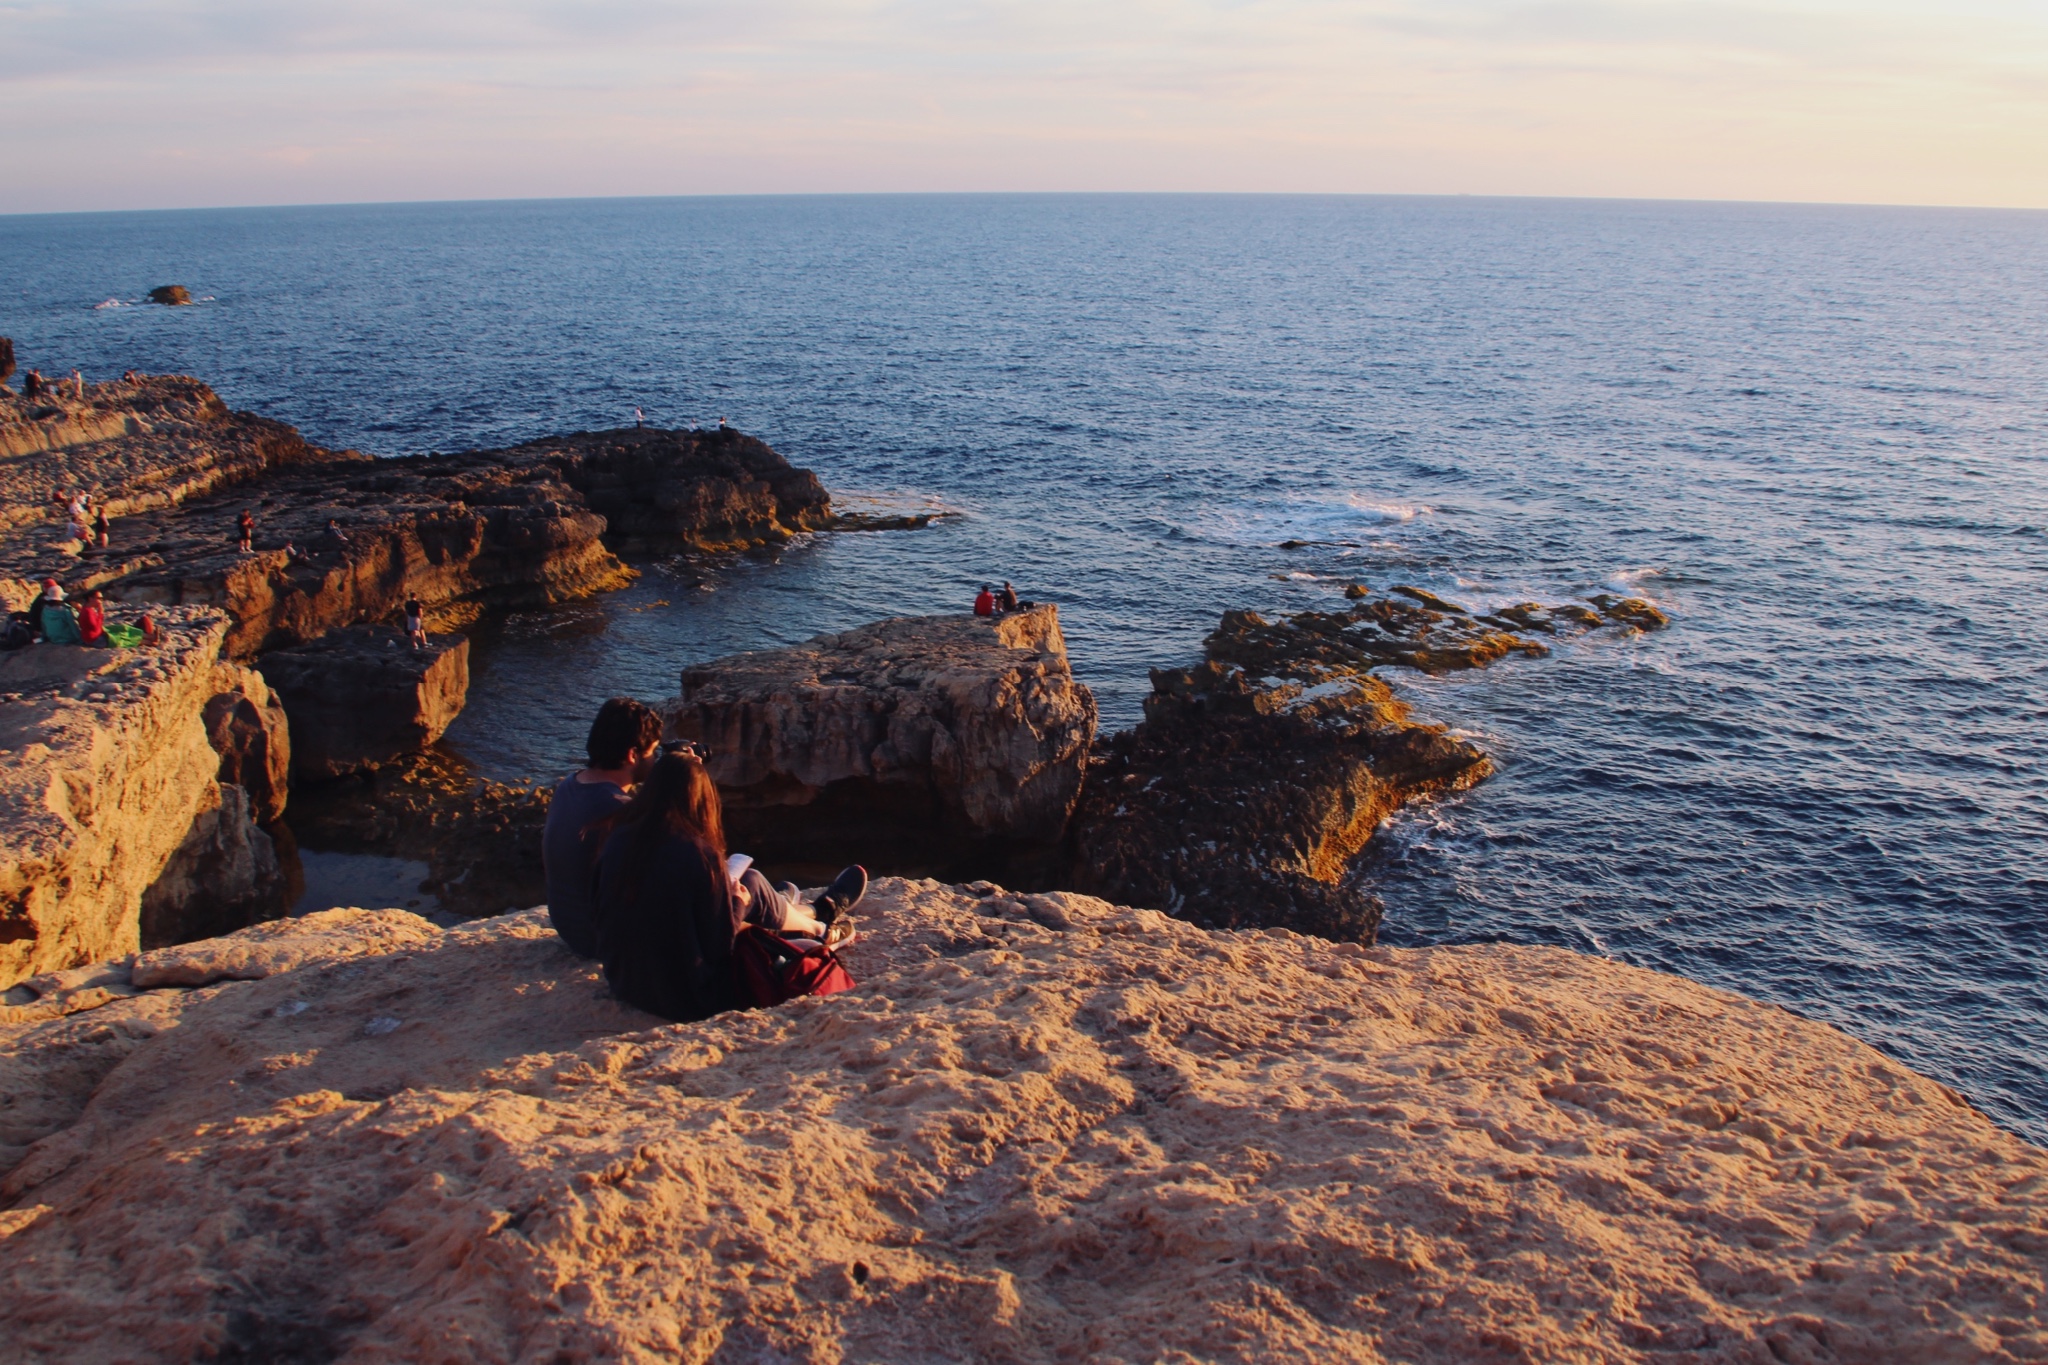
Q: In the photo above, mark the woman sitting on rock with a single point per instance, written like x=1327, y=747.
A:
x=668, y=913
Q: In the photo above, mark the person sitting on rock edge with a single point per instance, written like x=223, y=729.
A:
x=985, y=602
x=1007, y=599
x=52, y=592
x=667, y=912
x=92, y=620
x=60, y=627
x=624, y=741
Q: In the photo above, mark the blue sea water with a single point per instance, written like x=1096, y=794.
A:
x=1814, y=435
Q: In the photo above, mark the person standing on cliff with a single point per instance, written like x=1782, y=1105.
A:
x=101, y=527
x=416, y=622
x=624, y=742
x=245, y=532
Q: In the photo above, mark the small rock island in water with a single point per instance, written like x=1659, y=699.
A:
x=1045, y=1125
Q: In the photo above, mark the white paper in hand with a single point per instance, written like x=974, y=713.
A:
x=736, y=865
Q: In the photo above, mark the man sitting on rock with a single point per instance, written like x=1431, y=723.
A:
x=624, y=742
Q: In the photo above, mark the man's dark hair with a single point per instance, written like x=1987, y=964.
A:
x=622, y=725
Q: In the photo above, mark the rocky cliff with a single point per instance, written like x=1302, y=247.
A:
x=520, y=527
x=1044, y=1128
x=107, y=773
x=941, y=742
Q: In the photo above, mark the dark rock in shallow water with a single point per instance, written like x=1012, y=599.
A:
x=1630, y=611
x=480, y=840
x=1240, y=800
x=170, y=294
x=364, y=696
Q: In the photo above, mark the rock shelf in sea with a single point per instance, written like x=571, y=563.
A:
x=1043, y=1128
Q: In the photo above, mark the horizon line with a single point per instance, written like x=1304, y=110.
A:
x=1028, y=194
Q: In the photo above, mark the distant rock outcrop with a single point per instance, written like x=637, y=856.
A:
x=1042, y=1128
x=173, y=295
x=523, y=527
x=363, y=696
x=927, y=741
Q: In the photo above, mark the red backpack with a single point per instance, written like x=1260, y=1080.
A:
x=771, y=969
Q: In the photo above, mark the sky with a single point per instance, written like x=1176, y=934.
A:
x=110, y=104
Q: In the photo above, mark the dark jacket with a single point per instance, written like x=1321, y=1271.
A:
x=667, y=946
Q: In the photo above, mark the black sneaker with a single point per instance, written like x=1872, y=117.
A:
x=845, y=892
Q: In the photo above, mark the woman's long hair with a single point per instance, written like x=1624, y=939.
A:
x=677, y=800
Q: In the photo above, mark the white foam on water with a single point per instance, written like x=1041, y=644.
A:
x=1347, y=520
x=1629, y=582
x=110, y=303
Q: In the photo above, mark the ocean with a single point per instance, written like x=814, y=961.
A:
x=1813, y=435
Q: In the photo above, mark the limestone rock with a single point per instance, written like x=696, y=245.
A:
x=1242, y=801
x=174, y=295
x=523, y=527
x=104, y=767
x=245, y=723
x=661, y=490
x=141, y=446
x=282, y=946
x=364, y=696
x=224, y=875
x=925, y=740
x=1043, y=1128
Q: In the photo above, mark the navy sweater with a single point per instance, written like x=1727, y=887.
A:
x=667, y=948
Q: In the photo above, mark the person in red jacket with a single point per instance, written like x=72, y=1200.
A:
x=985, y=604
x=92, y=619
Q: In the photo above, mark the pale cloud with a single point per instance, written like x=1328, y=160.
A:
x=136, y=102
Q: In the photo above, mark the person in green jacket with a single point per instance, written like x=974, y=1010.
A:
x=60, y=627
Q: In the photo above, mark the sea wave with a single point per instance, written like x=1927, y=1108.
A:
x=1350, y=521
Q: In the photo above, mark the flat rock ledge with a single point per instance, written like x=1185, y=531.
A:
x=526, y=526
x=1043, y=1128
x=933, y=741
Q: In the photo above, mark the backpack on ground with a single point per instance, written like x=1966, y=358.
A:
x=771, y=969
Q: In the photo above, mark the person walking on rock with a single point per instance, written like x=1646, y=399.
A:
x=624, y=742
x=416, y=622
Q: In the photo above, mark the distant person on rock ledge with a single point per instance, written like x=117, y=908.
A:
x=336, y=537
x=416, y=622
x=669, y=915
x=1007, y=599
x=985, y=602
x=101, y=527
x=245, y=531
x=625, y=739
